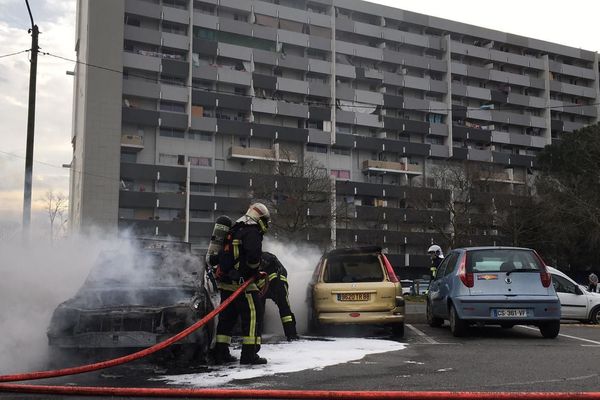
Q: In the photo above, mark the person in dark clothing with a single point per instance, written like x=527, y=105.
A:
x=277, y=290
x=437, y=256
x=593, y=283
x=239, y=260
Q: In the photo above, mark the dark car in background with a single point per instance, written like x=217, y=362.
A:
x=135, y=299
x=356, y=286
x=493, y=286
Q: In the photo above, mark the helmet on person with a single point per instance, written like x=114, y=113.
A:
x=259, y=213
x=593, y=278
x=435, y=250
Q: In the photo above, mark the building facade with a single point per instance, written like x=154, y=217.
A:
x=380, y=97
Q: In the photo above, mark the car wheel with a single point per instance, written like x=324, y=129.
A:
x=506, y=325
x=398, y=330
x=431, y=320
x=314, y=326
x=595, y=315
x=458, y=327
x=550, y=330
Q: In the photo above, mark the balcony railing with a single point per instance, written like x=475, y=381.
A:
x=506, y=176
x=251, y=153
x=390, y=167
x=135, y=142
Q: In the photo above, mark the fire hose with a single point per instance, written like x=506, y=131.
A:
x=237, y=393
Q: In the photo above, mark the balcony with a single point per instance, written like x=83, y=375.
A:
x=132, y=142
x=506, y=176
x=250, y=153
x=392, y=167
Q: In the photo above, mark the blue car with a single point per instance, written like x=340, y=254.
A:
x=493, y=286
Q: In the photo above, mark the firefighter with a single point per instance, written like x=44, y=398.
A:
x=277, y=290
x=435, y=252
x=239, y=260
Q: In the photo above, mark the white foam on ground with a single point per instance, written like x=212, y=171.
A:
x=290, y=357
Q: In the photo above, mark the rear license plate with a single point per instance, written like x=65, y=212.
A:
x=509, y=312
x=353, y=297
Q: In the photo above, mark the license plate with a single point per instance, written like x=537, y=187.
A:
x=510, y=312
x=353, y=297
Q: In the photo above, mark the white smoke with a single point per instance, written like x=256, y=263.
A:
x=36, y=276
x=300, y=261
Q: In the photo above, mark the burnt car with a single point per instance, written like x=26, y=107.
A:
x=135, y=298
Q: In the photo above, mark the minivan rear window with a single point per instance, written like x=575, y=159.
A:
x=353, y=268
x=502, y=260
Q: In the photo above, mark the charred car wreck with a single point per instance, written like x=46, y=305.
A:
x=135, y=299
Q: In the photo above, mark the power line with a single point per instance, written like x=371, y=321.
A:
x=362, y=105
x=15, y=53
x=59, y=167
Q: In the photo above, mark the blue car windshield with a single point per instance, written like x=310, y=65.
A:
x=502, y=260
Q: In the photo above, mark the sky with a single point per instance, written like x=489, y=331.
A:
x=572, y=24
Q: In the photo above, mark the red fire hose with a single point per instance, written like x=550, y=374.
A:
x=285, y=394
x=128, y=358
x=239, y=393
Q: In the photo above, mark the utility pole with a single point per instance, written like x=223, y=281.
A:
x=30, y=124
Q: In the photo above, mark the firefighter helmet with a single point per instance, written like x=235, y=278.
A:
x=435, y=249
x=259, y=213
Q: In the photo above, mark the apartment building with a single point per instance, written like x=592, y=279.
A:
x=380, y=97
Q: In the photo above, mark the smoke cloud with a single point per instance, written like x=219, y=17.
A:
x=36, y=277
x=300, y=262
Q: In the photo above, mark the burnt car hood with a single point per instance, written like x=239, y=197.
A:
x=97, y=299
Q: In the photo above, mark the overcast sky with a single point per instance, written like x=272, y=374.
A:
x=571, y=23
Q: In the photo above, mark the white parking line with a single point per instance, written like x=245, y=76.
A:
x=567, y=336
x=421, y=334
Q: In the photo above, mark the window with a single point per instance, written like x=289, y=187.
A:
x=170, y=187
x=176, y=3
x=171, y=159
x=561, y=285
x=174, y=28
x=128, y=157
x=126, y=213
x=316, y=148
x=353, y=268
x=451, y=264
x=340, y=173
x=204, y=214
x=200, y=187
x=202, y=136
x=341, y=151
x=200, y=161
x=170, y=214
x=172, y=133
x=172, y=106
x=132, y=21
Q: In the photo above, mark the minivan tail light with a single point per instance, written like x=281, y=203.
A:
x=466, y=277
x=545, y=276
x=389, y=269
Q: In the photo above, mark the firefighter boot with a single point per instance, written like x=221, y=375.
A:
x=250, y=356
x=289, y=328
x=222, y=355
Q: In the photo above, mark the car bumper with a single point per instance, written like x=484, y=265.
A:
x=482, y=308
x=112, y=340
x=362, y=318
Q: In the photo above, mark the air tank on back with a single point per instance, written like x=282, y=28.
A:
x=222, y=225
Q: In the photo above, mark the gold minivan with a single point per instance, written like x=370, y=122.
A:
x=356, y=286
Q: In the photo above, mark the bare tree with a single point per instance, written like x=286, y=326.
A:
x=463, y=181
x=297, y=193
x=55, y=205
